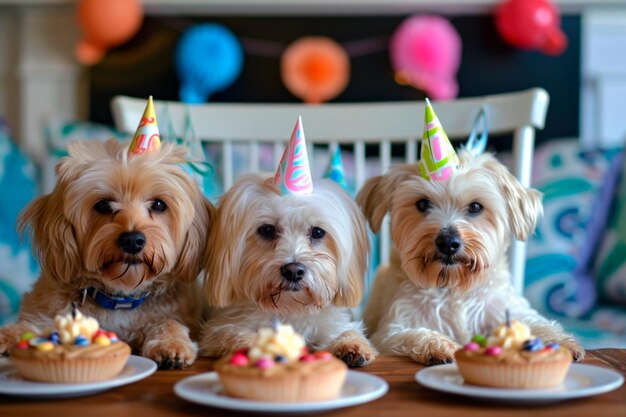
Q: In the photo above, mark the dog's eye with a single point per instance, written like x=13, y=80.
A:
x=267, y=231
x=158, y=205
x=475, y=208
x=423, y=205
x=317, y=233
x=103, y=207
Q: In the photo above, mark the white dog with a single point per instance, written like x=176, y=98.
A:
x=448, y=277
x=301, y=258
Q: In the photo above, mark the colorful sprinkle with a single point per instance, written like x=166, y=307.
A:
x=45, y=346
x=26, y=336
x=533, y=345
x=323, y=356
x=102, y=340
x=54, y=338
x=493, y=351
x=471, y=347
x=112, y=337
x=280, y=358
x=264, y=363
x=553, y=346
x=81, y=341
x=239, y=359
x=307, y=358
x=22, y=344
x=480, y=339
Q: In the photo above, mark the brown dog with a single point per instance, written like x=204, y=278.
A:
x=120, y=233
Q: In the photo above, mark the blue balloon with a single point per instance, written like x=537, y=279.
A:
x=208, y=58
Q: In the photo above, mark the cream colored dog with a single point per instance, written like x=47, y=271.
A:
x=448, y=278
x=120, y=228
x=300, y=258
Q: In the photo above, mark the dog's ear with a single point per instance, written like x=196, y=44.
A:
x=376, y=195
x=352, y=287
x=52, y=235
x=225, y=250
x=191, y=259
x=524, y=206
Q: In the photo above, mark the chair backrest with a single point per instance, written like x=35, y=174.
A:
x=356, y=126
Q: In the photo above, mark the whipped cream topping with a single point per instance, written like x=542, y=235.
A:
x=282, y=341
x=72, y=325
x=510, y=337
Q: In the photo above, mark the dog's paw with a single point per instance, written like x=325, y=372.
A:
x=353, y=349
x=436, y=350
x=170, y=353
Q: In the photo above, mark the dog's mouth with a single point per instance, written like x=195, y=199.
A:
x=128, y=260
x=126, y=263
x=286, y=287
x=447, y=260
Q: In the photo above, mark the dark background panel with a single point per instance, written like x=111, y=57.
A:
x=145, y=65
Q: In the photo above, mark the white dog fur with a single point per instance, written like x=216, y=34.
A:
x=257, y=233
x=427, y=302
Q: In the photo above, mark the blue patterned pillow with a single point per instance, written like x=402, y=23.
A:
x=18, y=269
x=570, y=180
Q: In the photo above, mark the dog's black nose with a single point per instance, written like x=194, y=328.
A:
x=132, y=242
x=293, y=271
x=448, y=242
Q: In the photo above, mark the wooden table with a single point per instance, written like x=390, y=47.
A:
x=154, y=397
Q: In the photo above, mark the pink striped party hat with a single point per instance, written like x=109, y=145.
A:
x=293, y=175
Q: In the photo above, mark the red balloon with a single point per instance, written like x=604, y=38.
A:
x=531, y=24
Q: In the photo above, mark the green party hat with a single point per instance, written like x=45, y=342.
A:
x=438, y=159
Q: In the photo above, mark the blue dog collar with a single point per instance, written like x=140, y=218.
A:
x=110, y=302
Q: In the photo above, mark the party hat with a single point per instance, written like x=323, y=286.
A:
x=335, y=167
x=293, y=175
x=146, y=139
x=438, y=159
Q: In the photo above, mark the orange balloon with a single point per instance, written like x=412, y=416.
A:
x=315, y=69
x=105, y=24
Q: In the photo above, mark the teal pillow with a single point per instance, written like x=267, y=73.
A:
x=570, y=179
x=18, y=268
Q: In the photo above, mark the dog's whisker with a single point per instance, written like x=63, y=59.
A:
x=123, y=273
x=275, y=296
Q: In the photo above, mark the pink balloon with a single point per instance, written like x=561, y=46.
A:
x=425, y=52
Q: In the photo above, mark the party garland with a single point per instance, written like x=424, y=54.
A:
x=425, y=50
x=425, y=53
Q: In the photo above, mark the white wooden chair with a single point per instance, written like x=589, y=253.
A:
x=355, y=125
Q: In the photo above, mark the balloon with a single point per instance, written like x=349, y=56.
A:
x=315, y=69
x=105, y=24
x=531, y=24
x=425, y=52
x=208, y=58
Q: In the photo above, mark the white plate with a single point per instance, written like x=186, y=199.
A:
x=580, y=381
x=206, y=389
x=12, y=383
